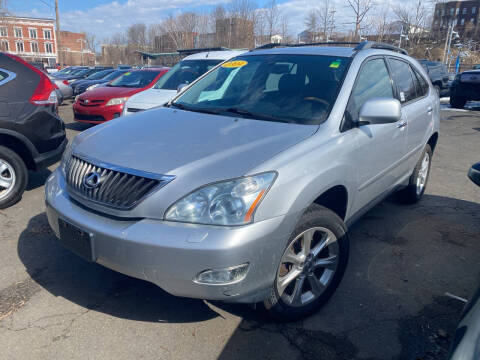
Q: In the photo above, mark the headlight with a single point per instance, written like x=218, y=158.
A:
x=92, y=87
x=117, y=101
x=231, y=202
x=67, y=155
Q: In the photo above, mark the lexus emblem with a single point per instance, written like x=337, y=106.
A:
x=86, y=101
x=92, y=180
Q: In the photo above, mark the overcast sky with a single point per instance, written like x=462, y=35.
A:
x=105, y=17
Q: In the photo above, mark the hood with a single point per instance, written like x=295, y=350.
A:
x=104, y=93
x=150, y=98
x=195, y=147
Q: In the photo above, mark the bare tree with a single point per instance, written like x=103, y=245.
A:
x=91, y=41
x=413, y=18
x=272, y=17
x=381, y=22
x=311, y=22
x=284, y=28
x=360, y=10
x=326, y=18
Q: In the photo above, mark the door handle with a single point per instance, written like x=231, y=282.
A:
x=429, y=110
x=402, y=124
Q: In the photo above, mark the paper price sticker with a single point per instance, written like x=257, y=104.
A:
x=234, y=64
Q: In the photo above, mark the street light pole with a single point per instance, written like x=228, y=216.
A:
x=57, y=20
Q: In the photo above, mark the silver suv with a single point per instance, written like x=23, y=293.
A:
x=243, y=187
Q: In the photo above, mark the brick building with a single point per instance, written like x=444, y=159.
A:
x=234, y=33
x=463, y=15
x=73, y=49
x=33, y=39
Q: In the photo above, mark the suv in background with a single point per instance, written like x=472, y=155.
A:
x=438, y=74
x=32, y=136
x=465, y=87
x=242, y=188
x=182, y=74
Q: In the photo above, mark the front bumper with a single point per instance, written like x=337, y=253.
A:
x=96, y=114
x=171, y=254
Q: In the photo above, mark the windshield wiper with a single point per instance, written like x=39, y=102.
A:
x=200, y=110
x=251, y=115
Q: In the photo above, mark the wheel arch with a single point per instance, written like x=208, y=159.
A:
x=433, y=141
x=335, y=199
x=19, y=146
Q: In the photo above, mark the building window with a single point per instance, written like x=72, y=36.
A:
x=472, y=20
x=457, y=11
x=34, y=46
x=443, y=12
x=474, y=10
x=441, y=22
x=20, y=47
x=47, y=34
x=48, y=48
x=452, y=10
x=436, y=22
x=4, y=45
x=33, y=33
x=3, y=31
x=464, y=11
x=462, y=22
x=18, y=32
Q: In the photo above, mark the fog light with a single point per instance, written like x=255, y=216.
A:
x=225, y=276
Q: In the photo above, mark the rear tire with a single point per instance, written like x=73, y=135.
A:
x=317, y=254
x=418, y=180
x=13, y=177
x=457, y=102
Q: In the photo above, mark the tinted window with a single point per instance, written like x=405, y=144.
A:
x=373, y=81
x=99, y=75
x=114, y=74
x=135, y=79
x=297, y=89
x=422, y=84
x=403, y=79
x=185, y=72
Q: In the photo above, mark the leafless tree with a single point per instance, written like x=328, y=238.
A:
x=272, y=17
x=284, y=28
x=311, y=22
x=360, y=10
x=381, y=22
x=326, y=18
x=91, y=41
x=413, y=18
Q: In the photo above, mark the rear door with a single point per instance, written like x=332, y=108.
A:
x=417, y=108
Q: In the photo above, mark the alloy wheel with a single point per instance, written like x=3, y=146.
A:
x=307, y=267
x=7, y=179
x=423, y=173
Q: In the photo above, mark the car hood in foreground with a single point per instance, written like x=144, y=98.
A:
x=199, y=148
x=151, y=98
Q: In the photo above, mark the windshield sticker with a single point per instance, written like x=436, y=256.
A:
x=335, y=64
x=127, y=73
x=234, y=64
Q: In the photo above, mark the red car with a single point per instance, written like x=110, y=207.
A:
x=106, y=103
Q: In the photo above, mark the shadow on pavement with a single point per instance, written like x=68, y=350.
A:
x=390, y=304
x=37, y=179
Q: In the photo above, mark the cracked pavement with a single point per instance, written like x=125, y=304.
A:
x=390, y=305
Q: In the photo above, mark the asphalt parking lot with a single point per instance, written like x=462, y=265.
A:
x=390, y=305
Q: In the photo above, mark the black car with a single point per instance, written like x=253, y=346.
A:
x=102, y=77
x=437, y=72
x=79, y=75
x=466, y=86
x=32, y=136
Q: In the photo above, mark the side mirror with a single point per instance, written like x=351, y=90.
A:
x=474, y=173
x=380, y=111
x=181, y=87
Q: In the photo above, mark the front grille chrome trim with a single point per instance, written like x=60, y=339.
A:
x=116, y=180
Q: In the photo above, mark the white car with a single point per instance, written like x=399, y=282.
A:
x=184, y=72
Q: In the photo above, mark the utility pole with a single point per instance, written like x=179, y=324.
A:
x=57, y=19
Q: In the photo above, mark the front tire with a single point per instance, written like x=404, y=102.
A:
x=418, y=180
x=311, y=267
x=13, y=177
x=457, y=102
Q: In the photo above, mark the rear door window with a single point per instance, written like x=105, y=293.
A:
x=403, y=79
x=422, y=84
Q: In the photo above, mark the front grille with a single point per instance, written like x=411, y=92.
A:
x=85, y=117
x=120, y=189
x=134, y=110
x=90, y=102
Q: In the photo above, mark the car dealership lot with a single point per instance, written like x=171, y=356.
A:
x=391, y=304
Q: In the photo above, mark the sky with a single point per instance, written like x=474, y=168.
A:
x=107, y=17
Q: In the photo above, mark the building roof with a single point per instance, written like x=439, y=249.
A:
x=26, y=18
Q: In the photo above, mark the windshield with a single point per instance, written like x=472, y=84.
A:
x=298, y=89
x=114, y=75
x=134, y=79
x=185, y=72
x=82, y=72
x=98, y=75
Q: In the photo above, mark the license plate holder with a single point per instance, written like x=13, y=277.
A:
x=75, y=239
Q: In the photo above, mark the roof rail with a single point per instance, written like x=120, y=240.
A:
x=275, y=45
x=365, y=45
x=194, y=51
